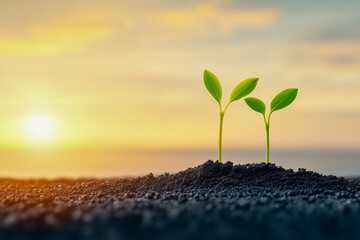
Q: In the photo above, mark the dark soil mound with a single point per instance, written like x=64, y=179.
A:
x=211, y=201
x=218, y=176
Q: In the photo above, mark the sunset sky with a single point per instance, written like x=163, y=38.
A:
x=128, y=74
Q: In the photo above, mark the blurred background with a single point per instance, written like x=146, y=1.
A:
x=114, y=88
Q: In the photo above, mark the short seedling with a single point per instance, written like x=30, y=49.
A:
x=283, y=99
x=241, y=90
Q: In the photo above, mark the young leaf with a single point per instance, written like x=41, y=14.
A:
x=256, y=104
x=243, y=89
x=213, y=85
x=283, y=99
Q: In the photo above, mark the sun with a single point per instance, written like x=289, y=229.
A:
x=39, y=126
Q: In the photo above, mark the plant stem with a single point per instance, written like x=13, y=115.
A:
x=220, y=132
x=267, y=143
x=267, y=126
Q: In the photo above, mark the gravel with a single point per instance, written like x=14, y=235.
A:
x=211, y=201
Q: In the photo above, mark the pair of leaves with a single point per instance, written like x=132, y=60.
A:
x=280, y=101
x=241, y=90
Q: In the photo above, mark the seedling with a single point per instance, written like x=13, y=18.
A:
x=283, y=99
x=241, y=90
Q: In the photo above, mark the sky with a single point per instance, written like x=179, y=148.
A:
x=126, y=75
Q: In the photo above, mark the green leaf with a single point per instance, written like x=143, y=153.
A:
x=256, y=104
x=283, y=99
x=213, y=85
x=243, y=89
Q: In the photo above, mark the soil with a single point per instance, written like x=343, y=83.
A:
x=211, y=201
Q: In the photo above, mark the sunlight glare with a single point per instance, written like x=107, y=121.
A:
x=39, y=126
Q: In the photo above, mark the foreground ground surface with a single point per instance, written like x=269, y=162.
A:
x=211, y=201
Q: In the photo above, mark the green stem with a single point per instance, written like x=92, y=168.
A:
x=267, y=126
x=267, y=143
x=220, y=132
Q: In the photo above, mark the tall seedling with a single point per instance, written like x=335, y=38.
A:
x=283, y=99
x=241, y=90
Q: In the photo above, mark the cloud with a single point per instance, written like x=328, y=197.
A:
x=67, y=35
x=331, y=33
x=205, y=18
x=340, y=56
x=74, y=33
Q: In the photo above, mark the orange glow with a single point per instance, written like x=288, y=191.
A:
x=125, y=75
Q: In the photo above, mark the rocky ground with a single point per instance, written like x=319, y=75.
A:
x=211, y=201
